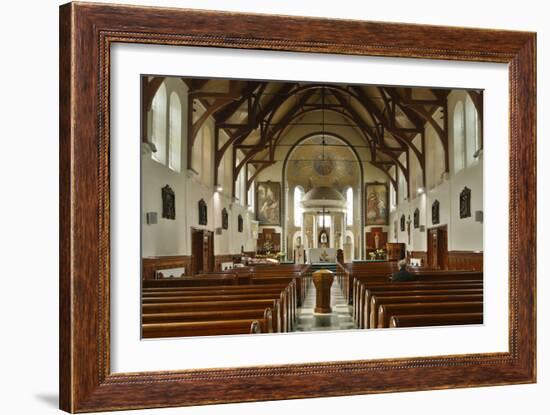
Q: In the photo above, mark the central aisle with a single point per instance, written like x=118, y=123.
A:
x=339, y=319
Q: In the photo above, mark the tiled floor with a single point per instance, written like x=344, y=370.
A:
x=339, y=319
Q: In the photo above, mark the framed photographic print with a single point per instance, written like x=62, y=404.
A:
x=276, y=125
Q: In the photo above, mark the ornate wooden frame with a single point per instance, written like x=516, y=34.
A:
x=86, y=33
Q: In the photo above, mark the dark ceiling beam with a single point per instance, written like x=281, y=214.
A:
x=368, y=137
x=253, y=122
x=266, y=138
x=228, y=111
x=409, y=100
x=258, y=170
x=377, y=114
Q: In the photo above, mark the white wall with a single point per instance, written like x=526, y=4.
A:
x=37, y=210
x=463, y=234
x=173, y=237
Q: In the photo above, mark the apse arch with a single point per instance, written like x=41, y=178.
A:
x=285, y=189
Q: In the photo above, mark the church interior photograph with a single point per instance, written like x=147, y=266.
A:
x=285, y=206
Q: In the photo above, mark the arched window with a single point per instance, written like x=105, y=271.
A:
x=459, y=144
x=174, y=133
x=158, y=123
x=298, y=210
x=472, y=131
x=349, y=206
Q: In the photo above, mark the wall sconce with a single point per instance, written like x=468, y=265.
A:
x=219, y=188
x=478, y=216
x=420, y=190
x=151, y=218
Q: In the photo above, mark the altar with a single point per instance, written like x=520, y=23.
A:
x=321, y=255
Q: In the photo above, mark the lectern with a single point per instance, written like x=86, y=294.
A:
x=322, y=280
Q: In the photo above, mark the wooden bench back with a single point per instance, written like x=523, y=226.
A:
x=386, y=311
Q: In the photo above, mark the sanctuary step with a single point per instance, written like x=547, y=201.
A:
x=331, y=266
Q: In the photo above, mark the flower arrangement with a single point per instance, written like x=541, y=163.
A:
x=378, y=254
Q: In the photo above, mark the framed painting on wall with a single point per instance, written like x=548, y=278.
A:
x=268, y=203
x=106, y=365
x=376, y=202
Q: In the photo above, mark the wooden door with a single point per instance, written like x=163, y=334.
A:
x=442, y=253
x=433, y=248
x=196, y=250
x=437, y=248
x=208, y=251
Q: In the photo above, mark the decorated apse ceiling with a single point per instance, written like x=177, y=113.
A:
x=313, y=164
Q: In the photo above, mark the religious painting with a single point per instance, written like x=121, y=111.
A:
x=435, y=212
x=376, y=210
x=168, y=203
x=225, y=219
x=465, y=199
x=416, y=218
x=203, y=212
x=268, y=203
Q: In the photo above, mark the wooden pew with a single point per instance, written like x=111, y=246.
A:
x=386, y=311
x=365, y=291
x=209, y=297
x=422, y=275
x=425, y=291
x=259, y=314
x=282, y=290
x=221, y=288
x=274, y=304
x=436, y=320
x=226, y=279
x=203, y=328
x=377, y=301
x=233, y=295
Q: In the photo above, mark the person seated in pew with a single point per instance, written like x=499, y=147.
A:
x=402, y=275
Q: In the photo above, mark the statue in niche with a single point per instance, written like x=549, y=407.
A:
x=402, y=223
x=225, y=219
x=435, y=212
x=203, y=212
x=465, y=199
x=416, y=218
x=240, y=223
x=323, y=238
x=168, y=203
x=377, y=241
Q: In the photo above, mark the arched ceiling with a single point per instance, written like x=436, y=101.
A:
x=257, y=114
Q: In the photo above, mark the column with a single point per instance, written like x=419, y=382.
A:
x=315, y=241
x=332, y=231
